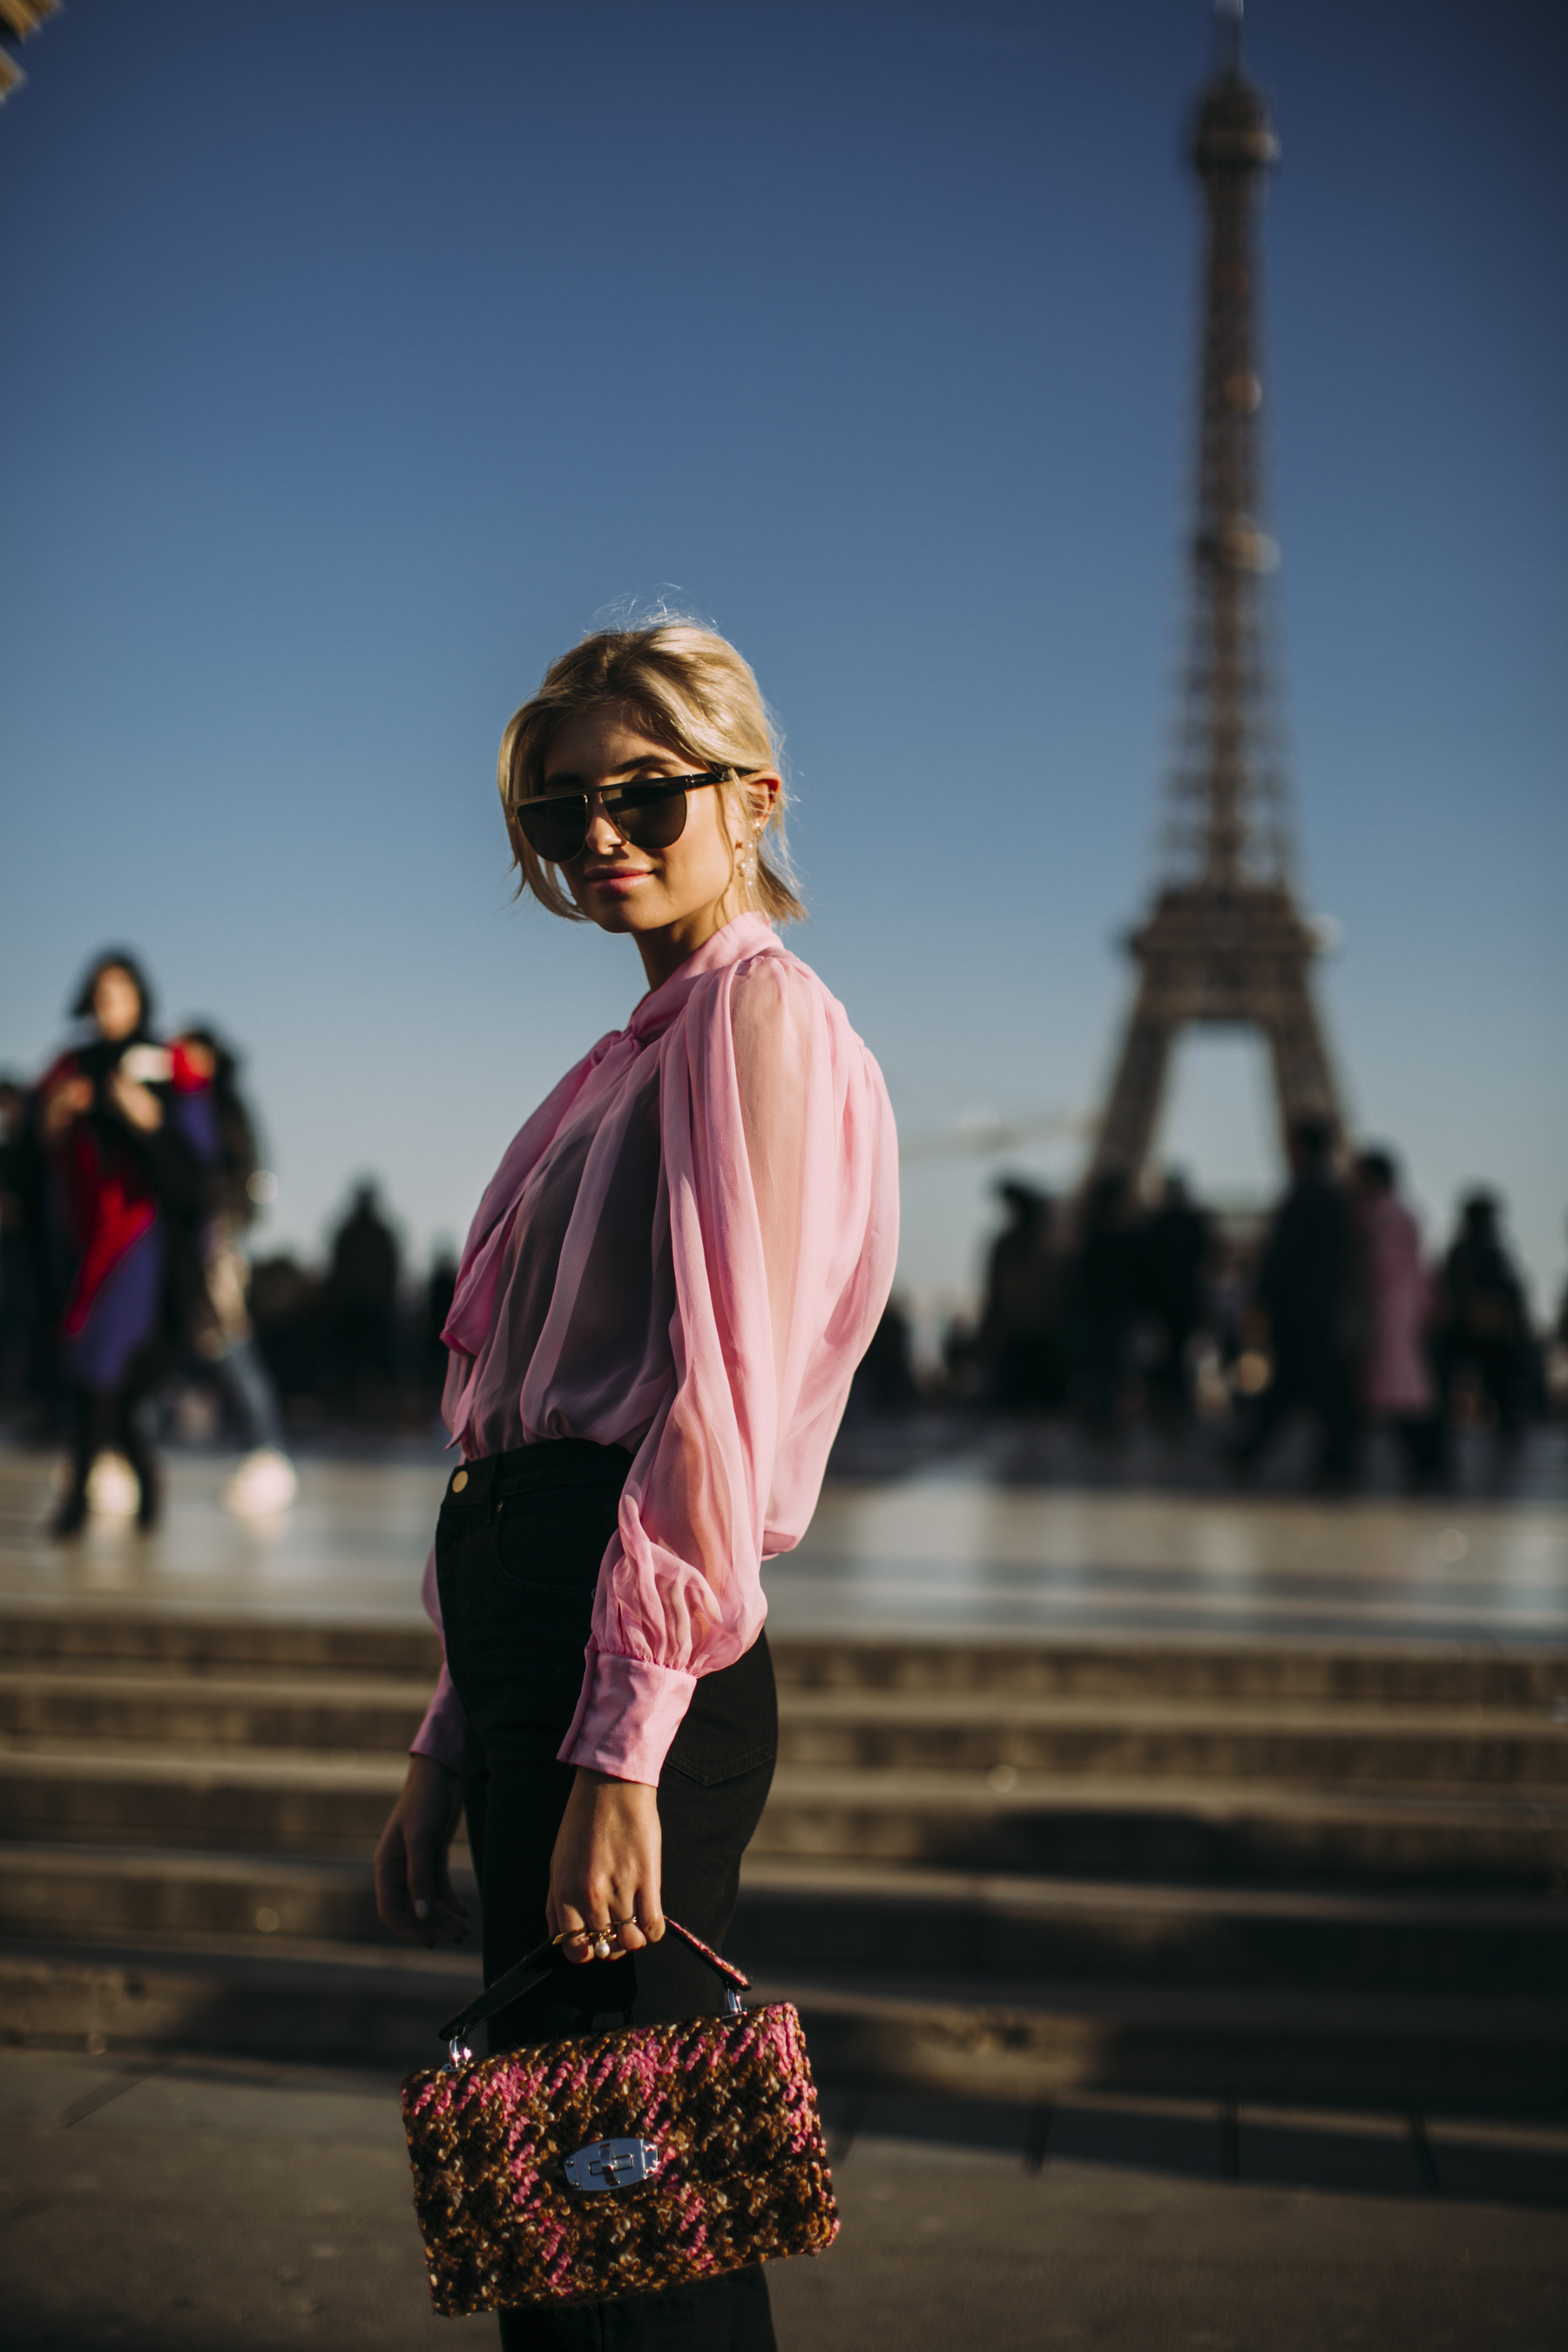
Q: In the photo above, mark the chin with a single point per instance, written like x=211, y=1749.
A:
x=616, y=915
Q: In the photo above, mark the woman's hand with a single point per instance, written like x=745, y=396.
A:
x=608, y=1863
x=414, y=1894
x=138, y=1105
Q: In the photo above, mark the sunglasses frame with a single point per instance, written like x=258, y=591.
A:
x=607, y=796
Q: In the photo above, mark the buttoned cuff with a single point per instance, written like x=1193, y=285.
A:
x=629, y=1713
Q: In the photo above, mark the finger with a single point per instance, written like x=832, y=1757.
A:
x=425, y=1904
x=596, y=1909
x=574, y=1926
x=422, y=1895
x=394, y=1904
x=625, y=1925
x=650, y=1913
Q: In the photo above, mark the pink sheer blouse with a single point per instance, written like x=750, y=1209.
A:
x=684, y=1251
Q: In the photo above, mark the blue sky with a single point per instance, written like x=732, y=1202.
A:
x=359, y=355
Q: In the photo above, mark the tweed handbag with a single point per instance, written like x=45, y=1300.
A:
x=615, y=2164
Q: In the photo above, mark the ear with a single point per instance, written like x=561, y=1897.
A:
x=763, y=791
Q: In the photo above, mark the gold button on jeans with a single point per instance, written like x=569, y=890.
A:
x=460, y=1482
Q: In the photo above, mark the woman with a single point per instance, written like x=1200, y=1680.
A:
x=662, y=1301
x=125, y=1137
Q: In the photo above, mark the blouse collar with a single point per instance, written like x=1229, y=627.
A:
x=744, y=935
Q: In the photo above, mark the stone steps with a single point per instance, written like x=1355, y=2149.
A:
x=179, y=1896
x=876, y=1921
x=376, y=1713
x=333, y=1802
x=853, y=1728
x=887, y=1923
x=45, y=1637
x=276, y=1800
x=1186, y=1666
x=1006, y=1868
x=1168, y=1828
x=90, y=1639
x=1025, y=2042
x=1254, y=1738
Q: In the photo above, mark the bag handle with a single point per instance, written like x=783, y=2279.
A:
x=525, y=1974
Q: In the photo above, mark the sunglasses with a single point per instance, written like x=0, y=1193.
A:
x=649, y=814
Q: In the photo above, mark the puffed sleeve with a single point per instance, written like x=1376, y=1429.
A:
x=780, y=1184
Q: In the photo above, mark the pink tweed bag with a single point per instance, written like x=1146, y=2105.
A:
x=620, y=2163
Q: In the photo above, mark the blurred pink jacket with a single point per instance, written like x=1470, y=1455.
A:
x=1395, y=1380
x=685, y=1252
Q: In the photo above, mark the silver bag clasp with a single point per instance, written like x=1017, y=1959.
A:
x=612, y=2164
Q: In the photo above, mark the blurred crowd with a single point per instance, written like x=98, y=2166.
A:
x=1324, y=1326
x=133, y=1301
x=131, y=1176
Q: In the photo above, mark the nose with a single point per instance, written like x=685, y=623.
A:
x=604, y=838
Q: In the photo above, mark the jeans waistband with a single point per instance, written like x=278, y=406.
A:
x=556, y=1462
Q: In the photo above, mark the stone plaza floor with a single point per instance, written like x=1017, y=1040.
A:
x=932, y=1551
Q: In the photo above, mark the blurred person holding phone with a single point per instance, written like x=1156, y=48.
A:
x=123, y=1142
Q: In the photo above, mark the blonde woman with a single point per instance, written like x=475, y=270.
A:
x=664, y=1296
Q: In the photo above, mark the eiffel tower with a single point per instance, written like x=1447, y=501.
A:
x=1224, y=941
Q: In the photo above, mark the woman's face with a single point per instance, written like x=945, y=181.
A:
x=679, y=890
x=116, y=1002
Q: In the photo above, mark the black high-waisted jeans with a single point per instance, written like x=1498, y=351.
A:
x=518, y=1551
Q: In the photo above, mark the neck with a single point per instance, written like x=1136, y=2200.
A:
x=665, y=951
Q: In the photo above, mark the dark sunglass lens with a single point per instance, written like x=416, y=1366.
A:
x=650, y=815
x=556, y=828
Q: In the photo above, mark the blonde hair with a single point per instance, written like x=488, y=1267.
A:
x=681, y=686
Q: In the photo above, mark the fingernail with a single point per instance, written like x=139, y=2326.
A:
x=420, y=1910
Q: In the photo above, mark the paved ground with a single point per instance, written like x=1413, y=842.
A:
x=956, y=1544
x=229, y=2207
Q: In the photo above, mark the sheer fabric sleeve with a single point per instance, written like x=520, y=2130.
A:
x=779, y=1188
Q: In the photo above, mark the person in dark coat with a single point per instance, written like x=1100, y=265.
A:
x=1102, y=1287
x=124, y=1142
x=363, y=1294
x=1303, y=1289
x=1020, y=1339
x=1175, y=1248
x=24, y=1379
x=440, y=1286
x=884, y=1383
x=1484, y=1337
